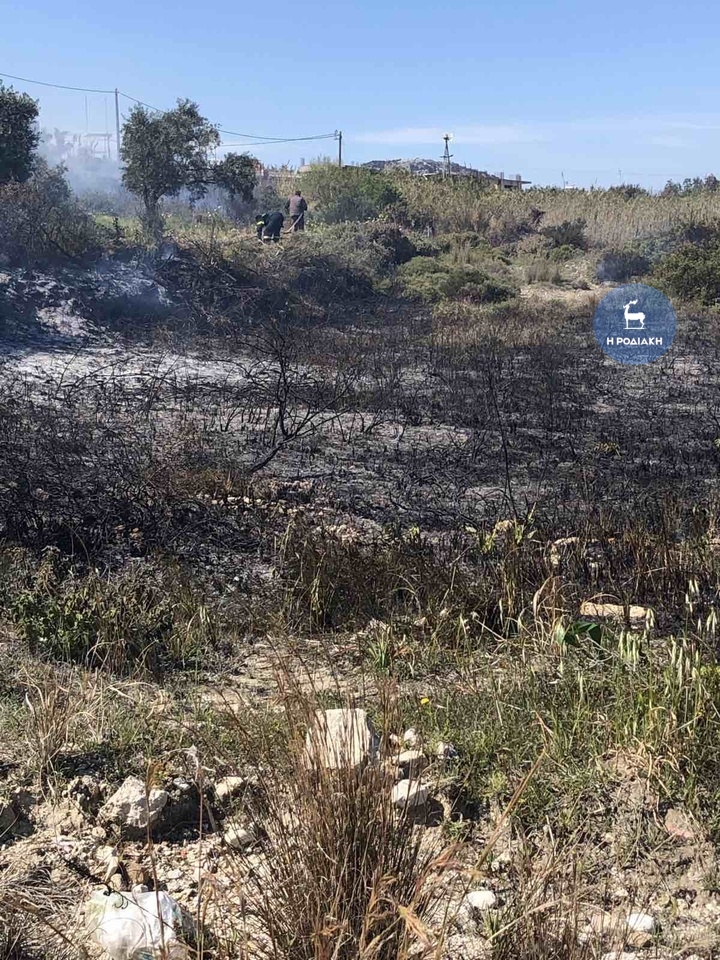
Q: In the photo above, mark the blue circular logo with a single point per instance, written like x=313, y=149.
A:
x=635, y=324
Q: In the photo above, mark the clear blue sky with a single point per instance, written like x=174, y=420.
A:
x=598, y=92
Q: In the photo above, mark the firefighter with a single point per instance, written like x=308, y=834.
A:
x=296, y=207
x=269, y=226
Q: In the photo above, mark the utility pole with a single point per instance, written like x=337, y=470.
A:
x=447, y=155
x=117, y=124
x=338, y=137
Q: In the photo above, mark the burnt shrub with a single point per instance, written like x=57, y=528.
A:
x=621, y=265
x=41, y=221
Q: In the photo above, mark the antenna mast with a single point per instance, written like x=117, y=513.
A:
x=447, y=167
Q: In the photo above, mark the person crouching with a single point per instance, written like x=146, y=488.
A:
x=269, y=227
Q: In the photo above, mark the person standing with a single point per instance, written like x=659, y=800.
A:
x=296, y=207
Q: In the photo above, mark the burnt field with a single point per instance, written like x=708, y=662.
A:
x=209, y=452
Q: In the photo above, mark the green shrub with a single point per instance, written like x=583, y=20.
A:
x=570, y=233
x=347, y=193
x=692, y=272
x=562, y=254
x=120, y=623
x=433, y=280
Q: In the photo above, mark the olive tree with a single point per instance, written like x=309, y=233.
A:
x=166, y=153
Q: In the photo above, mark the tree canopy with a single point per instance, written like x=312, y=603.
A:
x=165, y=153
x=19, y=135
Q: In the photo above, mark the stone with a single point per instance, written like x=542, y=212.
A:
x=479, y=901
x=134, y=807
x=411, y=763
x=558, y=548
x=619, y=955
x=679, y=824
x=614, y=611
x=340, y=739
x=641, y=923
x=84, y=792
x=239, y=837
x=409, y=795
x=229, y=787
x=410, y=738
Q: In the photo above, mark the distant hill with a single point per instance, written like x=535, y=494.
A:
x=426, y=168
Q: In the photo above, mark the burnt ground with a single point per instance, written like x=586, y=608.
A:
x=330, y=492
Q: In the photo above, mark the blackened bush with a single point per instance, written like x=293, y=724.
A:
x=41, y=221
x=621, y=265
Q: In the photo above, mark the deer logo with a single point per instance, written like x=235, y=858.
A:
x=633, y=321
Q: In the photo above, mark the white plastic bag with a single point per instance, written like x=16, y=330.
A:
x=142, y=925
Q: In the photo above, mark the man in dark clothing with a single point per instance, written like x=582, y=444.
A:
x=296, y=207
x=269, y=226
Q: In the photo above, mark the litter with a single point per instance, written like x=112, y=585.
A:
x=142, y=925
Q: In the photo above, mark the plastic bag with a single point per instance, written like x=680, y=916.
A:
x=142, y=925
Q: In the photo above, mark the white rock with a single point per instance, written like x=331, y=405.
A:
x=479, y=901
x=134, y=806
x=341, y=738
x=229, y=787
x=409, y=794
x=410, y=738
x=239, y=837
x=614, y=611
x=411, y=762
x=619, y=955
x=641, y=923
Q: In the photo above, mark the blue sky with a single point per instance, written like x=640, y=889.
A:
x=601, y=93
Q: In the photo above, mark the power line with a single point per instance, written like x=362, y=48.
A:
x=269, y=143
x=256, y=138
x=57, y=86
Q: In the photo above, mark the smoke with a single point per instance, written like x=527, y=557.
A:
x=90, y=167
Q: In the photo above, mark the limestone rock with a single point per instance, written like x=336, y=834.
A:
x=679, y=825
x=229, y=787
x=134, y=807
x=411, y=763
x=341, y=738
x=410, y=795
x=641, y=923
x=479, y=901
x=239, y=837
x=410, y=738
x=614, y=611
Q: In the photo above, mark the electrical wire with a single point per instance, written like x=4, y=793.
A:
x=256, y=139
x=57, y=86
